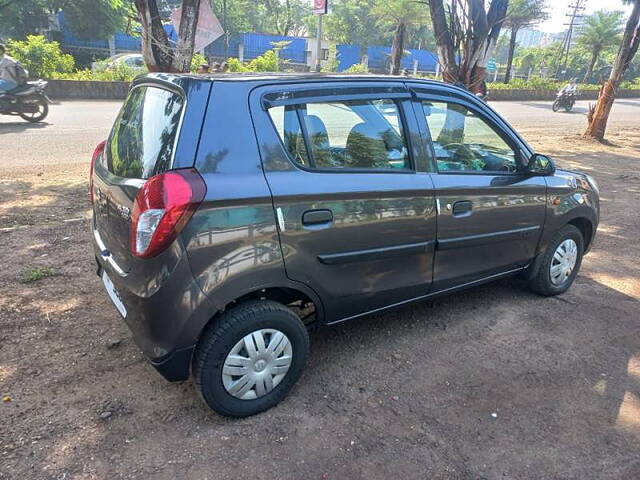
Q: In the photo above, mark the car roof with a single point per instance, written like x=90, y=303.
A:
x=271, y=78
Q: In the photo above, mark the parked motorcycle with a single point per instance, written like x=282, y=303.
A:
x=564, y=100
x=29, y=101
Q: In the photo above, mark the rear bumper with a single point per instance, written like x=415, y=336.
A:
x=167, y=319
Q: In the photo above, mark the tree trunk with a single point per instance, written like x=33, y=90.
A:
x=475, y=30
x=156, y=51
x=599, y=114
x=444, y=42
x=159, y=55
x=512, y=48
x=187, y=35
x=594, y=59
x=397, y=48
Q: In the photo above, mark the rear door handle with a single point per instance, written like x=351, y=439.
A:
x=317, y=217
x=463, y=208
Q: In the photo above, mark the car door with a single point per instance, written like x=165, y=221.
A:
x=356, y=210
x=490, y=210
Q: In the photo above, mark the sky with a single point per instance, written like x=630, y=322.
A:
x=559, y=8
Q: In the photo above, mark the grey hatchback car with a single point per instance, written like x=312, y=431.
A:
x=233, y=214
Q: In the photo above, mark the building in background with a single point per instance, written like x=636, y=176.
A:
x=529, y=37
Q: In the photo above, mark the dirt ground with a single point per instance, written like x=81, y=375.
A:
x=492, y=383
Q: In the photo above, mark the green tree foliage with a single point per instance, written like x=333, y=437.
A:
x=520, y=14
x=351, y=22
x=397, y=16
x=281, y=17
x=87, y=18
x=541, y=60
x=602, y=31
x=40, y=57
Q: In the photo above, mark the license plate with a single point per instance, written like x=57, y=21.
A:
x=113, y=294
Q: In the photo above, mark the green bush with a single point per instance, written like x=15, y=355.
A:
x=536, y=83
x=357, y=68
x=42, y=58
x=267, y=62
x=634, y=84
x=196, y=61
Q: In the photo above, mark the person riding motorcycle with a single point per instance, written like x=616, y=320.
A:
x=570, y=88
x=10, y=71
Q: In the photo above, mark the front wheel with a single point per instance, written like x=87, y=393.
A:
x=34, y=110
x=556, y=106
x=560, y=263
x=250, y=357
x=568, y=107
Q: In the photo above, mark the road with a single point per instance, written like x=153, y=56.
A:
x=74, y=127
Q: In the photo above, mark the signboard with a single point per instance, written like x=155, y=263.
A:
x=491, y=65
x=207, y=30
x=320, y=7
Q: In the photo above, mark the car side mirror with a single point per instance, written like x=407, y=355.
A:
x=540, y=165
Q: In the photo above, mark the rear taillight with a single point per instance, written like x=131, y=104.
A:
x=162, y=208
x=96, y=154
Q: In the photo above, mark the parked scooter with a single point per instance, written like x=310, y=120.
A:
x=29, y=101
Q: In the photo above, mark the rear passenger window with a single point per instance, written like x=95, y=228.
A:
x=344, y=135
x=142, y=140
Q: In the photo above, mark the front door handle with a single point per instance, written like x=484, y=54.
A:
x=317, y=217
x=463, y=208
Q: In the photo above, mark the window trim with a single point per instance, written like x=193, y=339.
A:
x=497, y=129
x=161, y=86
x=330, y=99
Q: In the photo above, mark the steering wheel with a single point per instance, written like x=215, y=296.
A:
x=461, y=153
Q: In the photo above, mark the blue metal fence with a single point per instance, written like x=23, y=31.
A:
x=256, y=44
x=379, y=58
x=123, y=41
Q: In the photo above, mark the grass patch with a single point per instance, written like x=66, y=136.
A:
x=37, y=273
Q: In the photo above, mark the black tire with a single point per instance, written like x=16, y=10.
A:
x=43, y=111
x=556, y=106
x=542, y=283
x=221, y=336
x=568, y=107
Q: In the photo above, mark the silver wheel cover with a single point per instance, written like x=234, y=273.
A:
x=563, y=262
x=257, y=364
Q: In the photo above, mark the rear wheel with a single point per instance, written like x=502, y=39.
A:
x=248, y=360
x=560, y=263
x=34, y=110
x=568, y=107
x=556, y=106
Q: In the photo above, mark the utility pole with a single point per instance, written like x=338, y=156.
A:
x=224, y=26
x=319, y=44
x=575, y=15
x=320, y=8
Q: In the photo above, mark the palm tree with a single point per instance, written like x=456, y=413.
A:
x=600, y=31
x=599, y=114
x=399, y=14
x=520, y=14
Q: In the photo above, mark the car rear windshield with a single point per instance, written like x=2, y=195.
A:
x=142, y=140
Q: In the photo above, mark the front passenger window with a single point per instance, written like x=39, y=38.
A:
x=463, y=141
